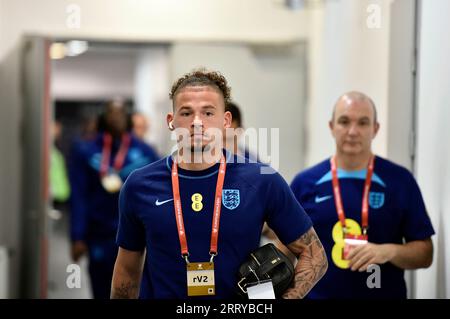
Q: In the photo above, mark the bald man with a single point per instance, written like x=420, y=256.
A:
x=368, y=212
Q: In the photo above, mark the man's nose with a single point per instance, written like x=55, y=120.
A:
x=353, y=130
x=197, y=121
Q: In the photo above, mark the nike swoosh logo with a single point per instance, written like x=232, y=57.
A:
x=322, y=199
x=158, y=203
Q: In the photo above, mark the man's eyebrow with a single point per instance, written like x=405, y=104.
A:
x=346, y=117
x=184, y=108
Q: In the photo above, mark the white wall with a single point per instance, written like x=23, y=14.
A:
x=94, y=75
x=402, y=46
x=433, y=149
x=4, y=272
x=2, y=10
x=346, y=55
x=155, y=20
x=401, y=92
x=151, y=95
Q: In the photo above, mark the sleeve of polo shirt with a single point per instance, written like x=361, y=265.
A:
x=131, y=232
x=284, y=213
x=416, y=222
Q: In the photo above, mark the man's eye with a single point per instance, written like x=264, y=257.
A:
x=184, y=113
x=209, y=113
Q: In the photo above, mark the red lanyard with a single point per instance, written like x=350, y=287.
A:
x=106, y=153
x=365, y=199
x=217, y=209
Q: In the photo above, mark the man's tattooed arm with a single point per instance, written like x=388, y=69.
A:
x=127, y=290
x=127, y=274
x=311, y=266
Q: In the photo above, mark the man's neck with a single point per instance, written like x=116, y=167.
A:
x=353, y=162
x=116, y=135
x=232, y=145
x=198, y=162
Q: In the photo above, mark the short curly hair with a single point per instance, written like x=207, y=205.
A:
x=202, y=77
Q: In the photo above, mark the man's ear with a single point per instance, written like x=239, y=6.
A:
x=227, y=119
x=169, y=119
x=331, y=126
x=376, y=129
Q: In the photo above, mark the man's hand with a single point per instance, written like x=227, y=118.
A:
x=364, y=255
x=412, y=255
x=79, y=248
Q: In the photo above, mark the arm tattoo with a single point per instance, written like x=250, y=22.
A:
x=311, y=266
x=127, y=290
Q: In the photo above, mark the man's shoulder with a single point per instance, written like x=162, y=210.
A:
x=313, y=173
x=86, y=148
x=391, y=169
x=150, y=172
x=251, y=169
x=137, y=142
x=256, y=175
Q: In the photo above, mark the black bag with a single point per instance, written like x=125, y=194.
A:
x=267, y=262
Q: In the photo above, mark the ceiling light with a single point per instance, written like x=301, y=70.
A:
x=57, y=50
x=76, y=47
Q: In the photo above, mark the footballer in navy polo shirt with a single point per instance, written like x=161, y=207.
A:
x=192, y=223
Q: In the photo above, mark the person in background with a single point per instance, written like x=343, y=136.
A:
x=366, y=210
x=140, y=125
x=233, y=137
x=98, y=169
x=89, y=128
x=233, y=141
x=59, y=179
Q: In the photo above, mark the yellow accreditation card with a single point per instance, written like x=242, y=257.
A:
x=200, y=279
x=337, y=253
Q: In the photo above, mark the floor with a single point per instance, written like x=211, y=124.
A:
x=61, y=280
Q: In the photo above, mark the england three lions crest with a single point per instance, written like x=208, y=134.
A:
x=231, y=198
x=376, y=200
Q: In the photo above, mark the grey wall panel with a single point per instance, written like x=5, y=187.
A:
x=10, y=161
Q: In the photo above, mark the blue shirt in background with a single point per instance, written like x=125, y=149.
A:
x=94, y=211
x=396, y=213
